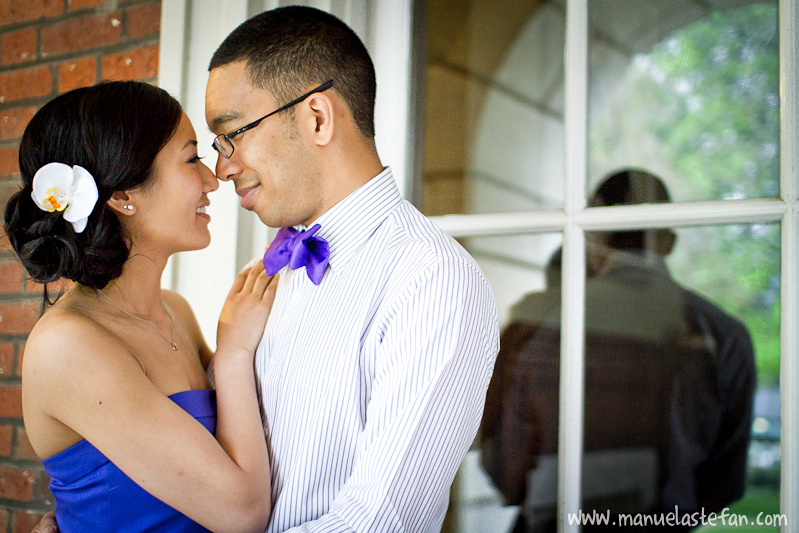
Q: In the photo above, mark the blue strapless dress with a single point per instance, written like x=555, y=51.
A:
x=92, y=494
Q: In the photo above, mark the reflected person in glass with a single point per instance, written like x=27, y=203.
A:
x=669, y=386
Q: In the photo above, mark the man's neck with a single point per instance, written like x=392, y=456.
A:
x=345, y=172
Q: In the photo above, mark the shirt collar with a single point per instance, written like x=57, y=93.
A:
x=646, y=260
x=349, y=223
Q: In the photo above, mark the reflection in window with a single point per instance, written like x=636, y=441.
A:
x=681, y=368
x=738, y=268
x=681, y=372
x=700, y=107
x=493, y=119
x=676, y=89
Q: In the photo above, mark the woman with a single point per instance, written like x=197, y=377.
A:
x=115, y=392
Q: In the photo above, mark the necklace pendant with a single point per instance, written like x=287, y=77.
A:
x=174, y=346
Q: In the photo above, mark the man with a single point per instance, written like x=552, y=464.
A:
x=373, y=373
x=373, y=381
x=665, y=369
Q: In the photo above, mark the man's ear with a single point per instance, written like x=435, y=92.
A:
x=122, y=203
x=665, y=242
x=322, y=111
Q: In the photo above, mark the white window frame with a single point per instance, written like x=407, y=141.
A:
x=575, y=219
x=190, y=28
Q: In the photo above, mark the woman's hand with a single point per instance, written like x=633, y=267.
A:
x=47, y=524
x=246, y=309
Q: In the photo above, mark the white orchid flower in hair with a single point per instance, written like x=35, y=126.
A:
x=72, y=190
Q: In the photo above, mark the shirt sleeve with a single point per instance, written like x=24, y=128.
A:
x=438, y=343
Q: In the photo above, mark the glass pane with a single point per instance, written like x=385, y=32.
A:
x=493, y=119
x=688, y=92
x=518, y=437
x=682, y=374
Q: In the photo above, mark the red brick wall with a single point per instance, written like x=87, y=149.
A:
x=48, y=47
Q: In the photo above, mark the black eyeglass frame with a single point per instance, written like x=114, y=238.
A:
x=217, y=143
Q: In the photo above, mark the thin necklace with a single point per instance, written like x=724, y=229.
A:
x=171, y=323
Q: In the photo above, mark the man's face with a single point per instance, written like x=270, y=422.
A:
x=271, y=166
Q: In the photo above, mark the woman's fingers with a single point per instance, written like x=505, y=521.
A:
x=249, y=276
x=47, y=524
x=271, y=288
x=254, y=282
x=261, y=282
x=252, y=275
x=238, y=283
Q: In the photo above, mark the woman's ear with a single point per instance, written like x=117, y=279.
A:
x=321, y=107
x=122, y=203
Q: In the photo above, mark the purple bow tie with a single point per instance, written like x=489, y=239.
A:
x=296, y=249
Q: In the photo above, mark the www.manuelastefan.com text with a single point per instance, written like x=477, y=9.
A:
x=675, y=518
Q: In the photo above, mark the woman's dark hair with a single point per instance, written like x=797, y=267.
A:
x=114, y=130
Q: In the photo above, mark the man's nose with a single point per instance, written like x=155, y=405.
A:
x=226, y=169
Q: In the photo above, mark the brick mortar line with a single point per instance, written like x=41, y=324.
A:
x=30, y=507
x=20, y=297
x=13, y=339
x=9, y=144
x=53, y=60
x=97, y=53
x=38, y=101
x=69, y=15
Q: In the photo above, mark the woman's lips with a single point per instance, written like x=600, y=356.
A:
x=203, y=213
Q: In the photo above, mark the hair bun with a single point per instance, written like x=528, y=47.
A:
x=41, y=242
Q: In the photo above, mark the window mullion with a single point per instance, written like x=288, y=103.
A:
x=789, y=362
x=572, y=356
x=616, y=218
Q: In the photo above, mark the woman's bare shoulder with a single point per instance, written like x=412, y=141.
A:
x=70, y=359
x=65, y=338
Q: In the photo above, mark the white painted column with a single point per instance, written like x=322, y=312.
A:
x=389, y=44
x=190, y=32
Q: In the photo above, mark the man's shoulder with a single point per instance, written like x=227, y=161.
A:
x=708, y=312
x=415, y=235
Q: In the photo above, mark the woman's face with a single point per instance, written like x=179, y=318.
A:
x=170, y=212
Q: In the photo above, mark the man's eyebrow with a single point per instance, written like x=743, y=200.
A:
x=223, y=118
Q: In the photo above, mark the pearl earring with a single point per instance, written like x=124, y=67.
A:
x=127, y=207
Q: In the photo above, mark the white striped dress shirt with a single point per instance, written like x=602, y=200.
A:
x=373, y=382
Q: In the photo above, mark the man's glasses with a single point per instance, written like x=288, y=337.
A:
x=223, y=143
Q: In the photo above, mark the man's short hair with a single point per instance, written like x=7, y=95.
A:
x=629, y=187
x=291, y=48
